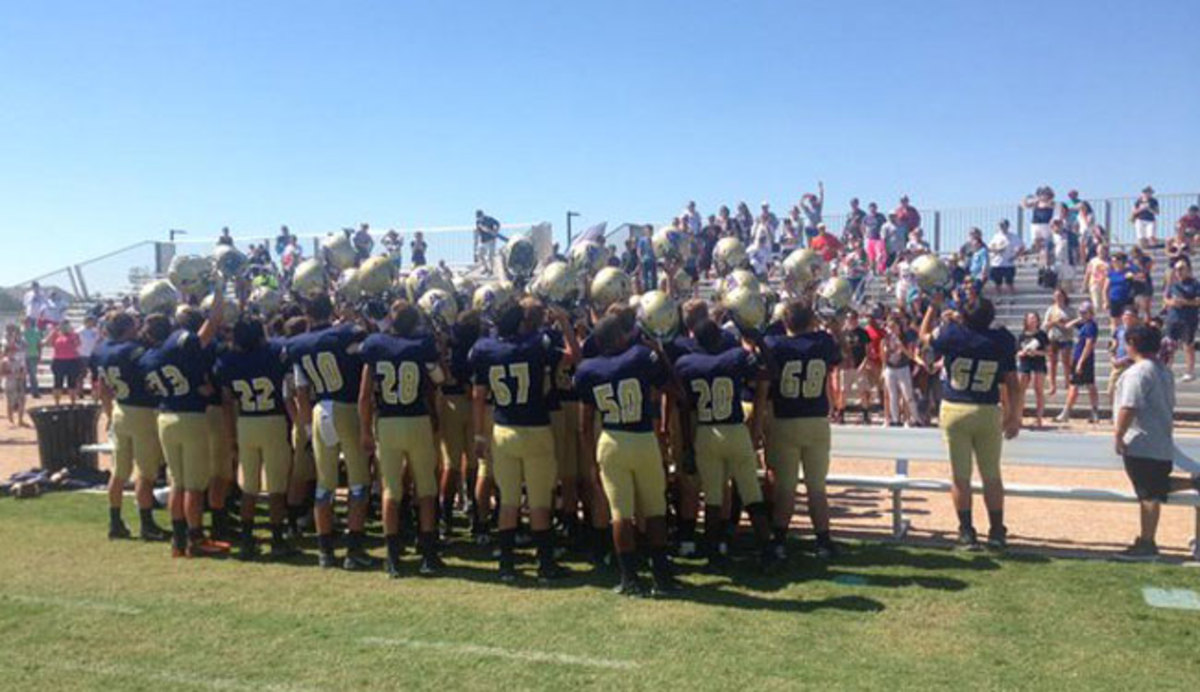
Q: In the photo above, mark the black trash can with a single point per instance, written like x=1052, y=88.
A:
x=61, y=430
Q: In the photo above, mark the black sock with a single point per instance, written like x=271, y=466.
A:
x=294, y=512
x=195, y=535
x=354, y=540
x=544, y=540
x=823, y=538
x=146, y=517
x=627, y=563
x=508, y=542
x=714, y=530
x=601, y=542
x=964, y=519
x=447, y=509
x=248, y=531
x=219, y=522
x=325, y=543
x=276, y=533
x=427, y=543
x=114, y=516
x=394, y=546
x=179, y=533
x=779, y=535
x=996, y=519
x=659, y=562
x=687, y=530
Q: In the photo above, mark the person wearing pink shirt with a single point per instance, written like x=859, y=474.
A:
x=66, y=365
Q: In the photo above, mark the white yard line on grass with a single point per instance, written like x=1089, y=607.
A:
x=72, y=603
x=142, y=673
x=498, y=652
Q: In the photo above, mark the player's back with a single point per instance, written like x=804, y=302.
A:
x=974, y=362
x=255, y=377
x=117, y=362
x=620, y=386
x=178, y=372
x=400, y=371
x=514, y=370
x=799, y=366
x=713, y=381
x=327, y=359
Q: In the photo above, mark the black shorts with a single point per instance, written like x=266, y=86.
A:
x=67, y=373
x=1003, y=275
x=1086, y=375
x=1181, y=332
x=1140, y=288
x=1027, y=366
x=1151, y=478
x=1116, y=307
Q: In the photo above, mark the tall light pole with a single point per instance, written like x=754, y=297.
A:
x=174, y=232
x=569, y=215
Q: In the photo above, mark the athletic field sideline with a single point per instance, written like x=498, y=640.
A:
x=78, y=612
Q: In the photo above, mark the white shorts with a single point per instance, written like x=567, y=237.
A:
x=1144, y=229
x=1040, y=231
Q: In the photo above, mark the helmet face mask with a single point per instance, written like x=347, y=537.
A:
x=520, y=258
x=931, y=273
x=746, y=307
x=229, y=261
x=729, y=254
x=836, y=293
x=587, y=259
x=191, y=275
x=557, y=284
x=671, y=245
x=376, y=275
x=158, y=296
x=658, y=315
x=423, y=279
x=309, y=280
x=440, y=307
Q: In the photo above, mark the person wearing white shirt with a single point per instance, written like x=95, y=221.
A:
x=35, y=302
x=691, y=219
x=89, y=336
x=1005, y=246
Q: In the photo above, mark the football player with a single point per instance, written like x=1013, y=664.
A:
x=511, y=369
x=454, y=420
x=712, y=378
x=176, y=370
x=802, y=364
x=328, y=372
x=622, y=385
x=220, y=440
x=399, y=371
x=302, y=483
x=251, y=374
x=981, y=405
x=130, y=408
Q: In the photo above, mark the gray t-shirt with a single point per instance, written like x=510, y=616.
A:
x=1148, y=388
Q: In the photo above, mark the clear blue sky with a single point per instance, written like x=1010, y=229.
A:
x=123, y=119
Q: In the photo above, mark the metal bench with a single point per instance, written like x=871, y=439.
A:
x=1038, y=449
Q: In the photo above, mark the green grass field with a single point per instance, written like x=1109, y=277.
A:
x=80, y=613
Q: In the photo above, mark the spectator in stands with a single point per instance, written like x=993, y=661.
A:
x=1042, y=207
x=1055, y=322
x=615, y=261
x=12, y=375
x=1141, y=279
x=1032, y=346
x=789, y=237
x=852, y=375
x=291, y=257
x=760, y=250
x=1086, y=231
x=1083, y=373
x=1144, y=409
x=710, y=233
x=872, y=368
x=1063, y=251
x=89, y=336
x=33, y=336
x=825, y=244
x=895, y=238
x=916, y=244
x=1118, y=286
x=745, y=222
x=487, y=231
x=1145, y=218
x=1003, y=250
x=35, y=302
x=1094, y=275
x=854, y=265
x=1069, y=210
x=419, y=246
x=362, y=242
x=65, y=365
x=1118, y=352
x=872, y=225
x=725, y=222
x=282, y=240
x=1187, y=230
x=978, y=263
x=853, y=227
x=226, y=238
x=899, y=354
x=811, y=206
x=767, y=219
x=691, y=219
x=906, y=217
x=629, y=257
x=1183, y=313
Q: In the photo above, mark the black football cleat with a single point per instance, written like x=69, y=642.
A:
x=118, y=532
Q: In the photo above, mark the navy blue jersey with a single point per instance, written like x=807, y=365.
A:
x=179, y=373
x=799, y=368
x=974, y=363
x=214, y=351
x=682, y=345
x=255, y=378
x=713, y=382
x=400, y=369
x=620, y=387
x=117, y=363
x=459, y=377
x=514, y=371
x=327, y=361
